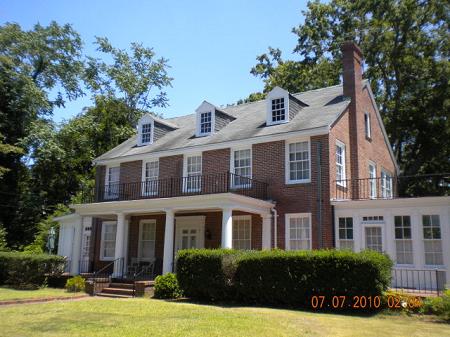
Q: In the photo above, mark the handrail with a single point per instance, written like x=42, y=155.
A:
x=96, y=273
x=135, y=275
x=108, y=265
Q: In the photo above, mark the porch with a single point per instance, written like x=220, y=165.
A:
x=139, y=239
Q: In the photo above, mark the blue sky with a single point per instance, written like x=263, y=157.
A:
x=211, y=45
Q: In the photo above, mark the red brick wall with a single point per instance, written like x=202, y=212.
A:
x=131, y=176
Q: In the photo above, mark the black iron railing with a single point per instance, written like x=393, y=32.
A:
x=113, y=269
x=423, y=281
x=390, y=188
x=176, y=187
x=86, y=266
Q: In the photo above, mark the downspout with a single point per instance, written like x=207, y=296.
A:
x=275, y=227
x=319, y=194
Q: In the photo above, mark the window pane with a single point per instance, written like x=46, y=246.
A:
x=242, y=233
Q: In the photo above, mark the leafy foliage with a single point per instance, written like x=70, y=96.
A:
x=166, y=286
x=28, y=271
x=75, y=284
x=279, y=277
x=439, y=305
x=406, y=49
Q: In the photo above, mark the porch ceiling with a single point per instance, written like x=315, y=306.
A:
x=197, y=202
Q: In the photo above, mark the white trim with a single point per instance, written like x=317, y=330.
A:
x=102, y=256
x=146, y=119
x=287, y=217
x=383, y=186
x=373, y=180
x=141, y=222
x=392, y=203
x=365, y=225
x=341, y=182
x=232, y=167
x=144, y=178
x=241, y=217
x=277, y=93
x=286, y=136
x=287, y=172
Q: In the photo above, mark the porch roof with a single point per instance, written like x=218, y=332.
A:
x=184, y=203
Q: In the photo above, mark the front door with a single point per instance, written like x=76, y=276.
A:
x=190, y=232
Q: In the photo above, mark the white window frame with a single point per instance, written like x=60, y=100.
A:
x=102, y=241
x=186, y=188
x=287, y=162
x=341, y=182
x=372, y=180
x=205, y=107
x=238, y=218
x=141, y=223
x=399, y=240
x=146, y=119
x=233, y=168
x=386, y=193
x=108, y=194
x=367, y=125
x=277, y=93
x=434, y=240
x=144, y=178
x=341, y=240
x=287, y=227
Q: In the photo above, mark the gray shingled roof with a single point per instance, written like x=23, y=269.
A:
x=324, y=107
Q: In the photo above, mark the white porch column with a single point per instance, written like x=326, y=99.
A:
x=125, y=244
x=227, y=228
x=266, y=231
x=76, y=248
x=168, y=241
x=119, y=250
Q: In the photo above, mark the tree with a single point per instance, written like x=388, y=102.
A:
x=131, y=77
x=406, y=48
x=33, y=64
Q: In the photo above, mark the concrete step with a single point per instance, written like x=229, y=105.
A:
x=121, y=285
x=113, y=295
x=117, y=291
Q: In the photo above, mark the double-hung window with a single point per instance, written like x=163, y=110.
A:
x=193, y=178
x=346, y=233
x=278, y=110
x=112, y=182
x=432, y=240
x=146, y=133
x=242, y=168
x=298, y=162
x=242, y=229
x=108, y=244
x=374, y=239
x=372, y=181
x=205, y=123
x=298, y=231
x=146, y=246
x=151, y=178
x=403, y=239
x=386, y=185
x=340, y=164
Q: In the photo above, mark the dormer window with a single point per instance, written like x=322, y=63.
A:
x=146, y=135
x=146, y=127
x=205, y=122
x=206, y=119
x=277, y=106
x=278, y=110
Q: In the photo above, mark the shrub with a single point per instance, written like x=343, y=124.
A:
x=439, y=306
x=404, y=302
x=75, y=284
x=279, y=277
x=206, y=274
x=28, y=271
x=166, y=286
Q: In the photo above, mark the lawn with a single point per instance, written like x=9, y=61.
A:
x=13, y=294
x=146, y=317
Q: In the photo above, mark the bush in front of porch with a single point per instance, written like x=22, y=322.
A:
x=279, y=277
x=28, y=271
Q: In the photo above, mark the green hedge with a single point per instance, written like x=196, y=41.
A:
x=279, y=277
x=28, y=271
x=166, y=286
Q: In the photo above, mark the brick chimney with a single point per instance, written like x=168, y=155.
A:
x=352, y=88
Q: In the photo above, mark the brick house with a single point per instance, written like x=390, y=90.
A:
x=259, y=175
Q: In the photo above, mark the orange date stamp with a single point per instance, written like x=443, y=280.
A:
x=342, y=302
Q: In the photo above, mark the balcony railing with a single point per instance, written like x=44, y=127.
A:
x=390, y=188
x=177, y=187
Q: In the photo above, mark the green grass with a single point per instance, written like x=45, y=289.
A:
x=146, y=317
x=13, y=294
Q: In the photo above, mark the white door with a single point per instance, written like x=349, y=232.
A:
x=190, y=232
